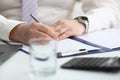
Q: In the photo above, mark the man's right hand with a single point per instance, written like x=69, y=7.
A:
x=24, y=32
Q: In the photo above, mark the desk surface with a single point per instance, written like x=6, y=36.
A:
x=17, y=67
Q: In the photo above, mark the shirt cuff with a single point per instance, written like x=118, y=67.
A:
x=6, y=27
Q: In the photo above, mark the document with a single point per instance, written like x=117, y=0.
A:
x=106, y=38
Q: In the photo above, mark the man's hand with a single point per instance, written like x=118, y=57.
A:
x=24, y=32
x=67, y=28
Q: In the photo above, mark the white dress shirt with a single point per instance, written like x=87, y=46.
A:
x=102, y=14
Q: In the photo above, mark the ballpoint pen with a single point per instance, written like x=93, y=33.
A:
x=34, y=18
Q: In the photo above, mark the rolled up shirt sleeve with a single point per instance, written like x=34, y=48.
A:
x=6, y=25
x=102, y=14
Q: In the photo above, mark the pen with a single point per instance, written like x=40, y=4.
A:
x=33, y=17
x=71, y=53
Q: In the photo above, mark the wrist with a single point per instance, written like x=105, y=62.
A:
x=15, y=32
x=84, y=21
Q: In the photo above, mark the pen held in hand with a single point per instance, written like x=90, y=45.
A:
x=33, y=17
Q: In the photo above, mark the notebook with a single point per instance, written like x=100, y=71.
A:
x=109, y=64
x=6, y=51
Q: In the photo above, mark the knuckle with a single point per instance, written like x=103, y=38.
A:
x=43, y=35
x=34, y=24
x=61, y=21
x=30, y=31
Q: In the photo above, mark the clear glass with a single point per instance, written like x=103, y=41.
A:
x=43, y=58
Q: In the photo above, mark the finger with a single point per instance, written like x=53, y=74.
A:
x=65, y=35
x=44, y=38
x=54, y=25
x=37, y=34
x=44, y=35
x=52, y=28
x=46, y=29
x=62, y=30
x=58, y=25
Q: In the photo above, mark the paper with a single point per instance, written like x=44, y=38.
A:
x=107, y=38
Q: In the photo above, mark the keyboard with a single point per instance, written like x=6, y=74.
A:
x=99, y=64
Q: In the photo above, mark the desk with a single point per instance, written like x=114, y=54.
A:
x=17, y=67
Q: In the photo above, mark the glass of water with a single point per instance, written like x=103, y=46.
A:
x=43, y=58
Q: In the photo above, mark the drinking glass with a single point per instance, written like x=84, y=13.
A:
x=43, y=58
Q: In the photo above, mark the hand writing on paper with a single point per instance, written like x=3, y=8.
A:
x=59, y=30
x=66, y=28
x=24, y=32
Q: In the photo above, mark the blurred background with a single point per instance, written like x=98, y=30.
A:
x=53, y=10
